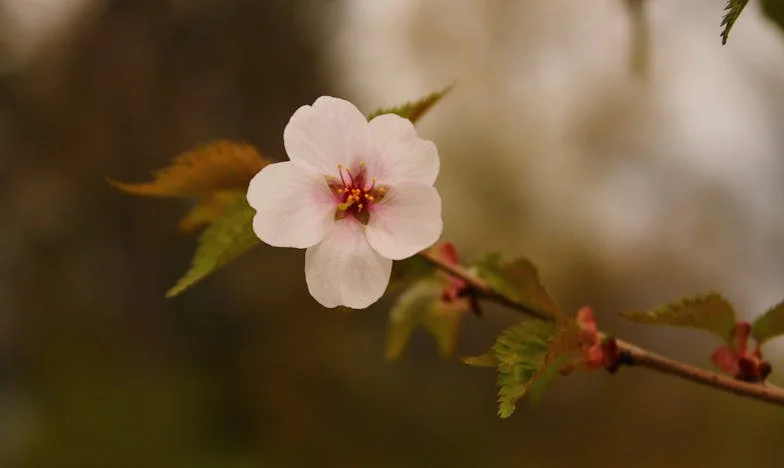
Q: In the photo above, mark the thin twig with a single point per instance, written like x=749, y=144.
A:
x=642, y=357
x=632, y=355
x=481, y=288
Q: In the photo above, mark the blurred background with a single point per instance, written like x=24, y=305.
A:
x=614, y=142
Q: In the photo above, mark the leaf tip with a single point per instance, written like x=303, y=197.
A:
x=483, y=360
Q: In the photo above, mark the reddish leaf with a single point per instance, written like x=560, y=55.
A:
x=223, y=165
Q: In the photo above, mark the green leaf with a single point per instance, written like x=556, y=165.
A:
x=710, y=312
x=227, y=238
x=208, y=209
x=546, y=376
x=769, y=325
x=733, y=10
x=414, y=111
x=420, y=306
x=518, y=281
x=521, y=354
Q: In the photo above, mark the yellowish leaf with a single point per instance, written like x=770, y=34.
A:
x=443, y=322
x=547, y=374
x=219, y=166
x=406, y=272
x=208, y=209
x=710, y=312
x=565, y=340
x=520, y=282
x=769, y=325
x=420, y=306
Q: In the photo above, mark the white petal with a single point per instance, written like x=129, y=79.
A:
x=344, y=270
x=406, y=221
x=330, y=132
x=294, y=207
x=400, y=153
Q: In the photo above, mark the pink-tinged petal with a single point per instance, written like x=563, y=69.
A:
x=406, y=221
x=344, y=270
x=400, y=154
x=330, y=132
x=294, y=207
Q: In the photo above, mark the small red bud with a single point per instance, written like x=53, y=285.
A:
x=746, y=370
x=448, y=252
x=736, y=359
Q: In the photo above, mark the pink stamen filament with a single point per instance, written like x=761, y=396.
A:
x=350, y=177
x=352, y=195
x=340, y=172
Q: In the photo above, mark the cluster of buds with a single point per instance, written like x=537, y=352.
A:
x=456, y=289
x=597, y=351
x=737, y=360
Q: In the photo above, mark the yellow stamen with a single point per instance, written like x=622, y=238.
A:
x=345, y=206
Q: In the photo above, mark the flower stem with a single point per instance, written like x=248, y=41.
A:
x=632, y=355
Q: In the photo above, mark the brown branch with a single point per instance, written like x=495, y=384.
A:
x=481, y=288
x=632, y=355
x=644, y=358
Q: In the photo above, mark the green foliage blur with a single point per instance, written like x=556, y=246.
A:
x=98, y=369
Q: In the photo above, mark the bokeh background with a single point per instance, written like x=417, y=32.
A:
x=623, y=149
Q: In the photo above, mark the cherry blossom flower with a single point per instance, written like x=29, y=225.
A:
x=356, y=194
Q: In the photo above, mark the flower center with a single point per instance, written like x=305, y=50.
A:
x=355, y=193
